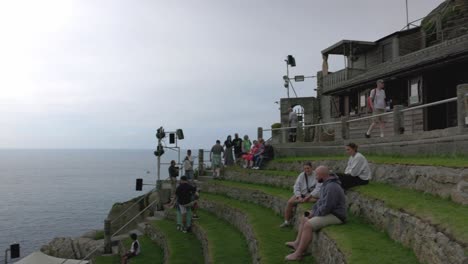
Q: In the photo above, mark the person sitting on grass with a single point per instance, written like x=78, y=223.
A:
x=306, y=189
x=329, y=210
x=357, y=171
x=134, y=249
x=184, y=193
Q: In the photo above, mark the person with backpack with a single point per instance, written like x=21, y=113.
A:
x=185, y=194
x=377, y=104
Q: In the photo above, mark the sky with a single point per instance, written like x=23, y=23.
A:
x=106, y=74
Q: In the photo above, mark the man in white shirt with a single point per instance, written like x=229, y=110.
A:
x=377, y=105
x=357, y=171
x=306, y=189
x=293, y=124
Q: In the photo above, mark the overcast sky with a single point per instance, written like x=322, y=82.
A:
x=107, y=74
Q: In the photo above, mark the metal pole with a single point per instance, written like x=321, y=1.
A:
x=6, y=255
x=159, y=163
x=407, y=16
x=287, y=74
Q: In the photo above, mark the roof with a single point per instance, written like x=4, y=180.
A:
x=344, y=47
x=41, y=258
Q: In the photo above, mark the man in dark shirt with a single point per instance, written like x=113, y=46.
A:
x=184, y=193
x=173, y=174
x=237, y=142
x=329, y=210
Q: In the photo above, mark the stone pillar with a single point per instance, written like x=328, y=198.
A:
x=344, y=128
x=398, y=120
x=201, y=168
x=284, y=135
x=462, y=106
x=259, y=132
x=107, y=236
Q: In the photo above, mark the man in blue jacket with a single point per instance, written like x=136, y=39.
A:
x=329, y=210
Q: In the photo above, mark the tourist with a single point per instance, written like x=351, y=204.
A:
x=173, y=174
x=215, y=158
x=357, y=171
x=376, y=102
x=134, y=249
x=248, y=157
x=228, y=159
x=329, y=210
x=237, y=143
x=188, y=165
x=258, y=153
x=184, y=193
x=306, y=189
x=246, y=145
x=292, y=121
x=268, y=154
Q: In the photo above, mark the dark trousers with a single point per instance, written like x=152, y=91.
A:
x=348, y=181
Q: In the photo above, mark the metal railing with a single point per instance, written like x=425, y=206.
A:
x=453, y=99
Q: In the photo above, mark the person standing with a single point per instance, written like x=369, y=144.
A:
x=292, y=124
x=306, y=189
x=173, y=174
x=215, y=158
x=237, y=143
x=188, y=165
x=376, y=102
x=329, y=210
x=185, y=193
x=246, y=145
x=357, y=171
x=228, y=159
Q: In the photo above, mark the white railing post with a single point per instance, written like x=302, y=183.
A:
x=462, y=106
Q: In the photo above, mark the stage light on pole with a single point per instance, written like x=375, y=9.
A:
x=299, y=78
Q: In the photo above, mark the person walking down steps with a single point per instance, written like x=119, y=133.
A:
x=376, y=102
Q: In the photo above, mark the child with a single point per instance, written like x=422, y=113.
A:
x=134, y=249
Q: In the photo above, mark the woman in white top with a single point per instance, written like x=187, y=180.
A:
x=357, y=171
x=306, y=189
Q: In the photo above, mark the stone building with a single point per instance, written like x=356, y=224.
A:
x=420, y=65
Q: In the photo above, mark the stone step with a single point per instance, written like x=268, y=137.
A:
x=178, y=247
x=258, y=224
x=331, y=242
x=425, y=229
x=214, y=233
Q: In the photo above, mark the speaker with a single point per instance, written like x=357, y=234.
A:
x=15, y=251
x=291, y=61
x=139, y=184
x=180, y=133
x=171, y=138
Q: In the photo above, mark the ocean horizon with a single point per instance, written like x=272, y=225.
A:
x=48, y=193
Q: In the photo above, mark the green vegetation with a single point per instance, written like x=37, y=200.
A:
x=150, y=253
x=267, y=172
x=363, y=244
x=280, y=192
x=99, y=235
x=444, y=213
x=445, y=161
x=266, y=227
x=226, y=243
x=182, y=246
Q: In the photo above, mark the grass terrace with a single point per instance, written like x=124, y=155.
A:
x=444, y=161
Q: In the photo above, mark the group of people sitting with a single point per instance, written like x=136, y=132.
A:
x=247, y=154
x=326, y=189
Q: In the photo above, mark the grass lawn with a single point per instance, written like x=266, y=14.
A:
x=107, y=260
x=276, y=191
x=226, y=243
x=440, y=212
x=183, y=247
x=444, y=161
x=266, y=225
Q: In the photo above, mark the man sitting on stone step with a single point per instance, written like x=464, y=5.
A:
x=357, y=171
x=306, y=189
x=329, y=210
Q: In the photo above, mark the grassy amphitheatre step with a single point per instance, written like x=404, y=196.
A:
x=150, y=253
x=433, y=227
x=178, y=247
x=359, y=242
x=213, y=232
x=258, y=224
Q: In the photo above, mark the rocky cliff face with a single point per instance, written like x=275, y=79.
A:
x=74, y=248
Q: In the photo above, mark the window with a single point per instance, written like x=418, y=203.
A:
x=414, y=91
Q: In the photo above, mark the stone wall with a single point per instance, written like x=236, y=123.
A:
x=159, y=237
x=429, y=244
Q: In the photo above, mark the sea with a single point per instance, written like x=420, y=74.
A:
x=65, y=193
